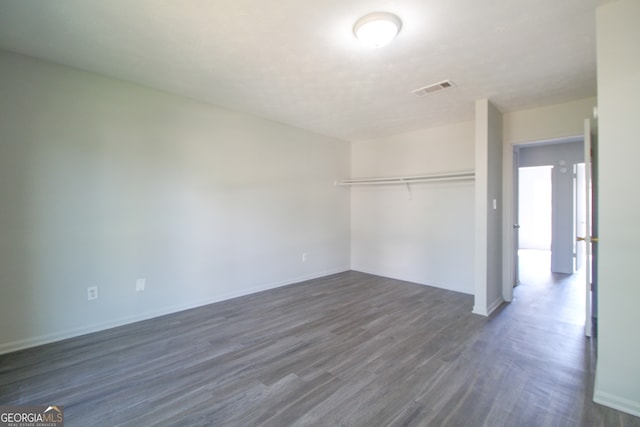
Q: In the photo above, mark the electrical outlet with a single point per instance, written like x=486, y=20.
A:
x=304, y=257
x=140, y=284
x=92, y=293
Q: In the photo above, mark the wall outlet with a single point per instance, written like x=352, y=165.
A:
x=304, y=257
x=92, y=293
x=140, y=284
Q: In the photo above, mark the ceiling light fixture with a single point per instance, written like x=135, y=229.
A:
x=377, y=29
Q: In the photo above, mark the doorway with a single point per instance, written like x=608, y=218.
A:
x=546, y=200
x=565, y=160
x=538, y=284
x=534, y=210
x=534, y=220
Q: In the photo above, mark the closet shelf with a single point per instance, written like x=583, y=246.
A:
x=436, y=177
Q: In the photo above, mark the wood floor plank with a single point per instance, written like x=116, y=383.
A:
x=350, y=349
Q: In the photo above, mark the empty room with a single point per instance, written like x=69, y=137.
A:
x=244, y=213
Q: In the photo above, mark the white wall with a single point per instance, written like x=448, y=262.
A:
x=425, y=238
x=103, y=182
x=550, y=122
x=561, y=154
x=488, y=214
x=618, y=368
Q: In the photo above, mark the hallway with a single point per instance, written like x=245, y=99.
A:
x=555, y=297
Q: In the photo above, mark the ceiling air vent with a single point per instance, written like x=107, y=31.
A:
x=424, y=91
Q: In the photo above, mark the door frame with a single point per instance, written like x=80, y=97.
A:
x=510, y=197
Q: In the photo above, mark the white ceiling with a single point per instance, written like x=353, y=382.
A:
x=297, y=62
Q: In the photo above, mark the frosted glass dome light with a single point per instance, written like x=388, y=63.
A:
x=377, y=29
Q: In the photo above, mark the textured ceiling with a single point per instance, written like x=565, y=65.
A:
x=297, y=62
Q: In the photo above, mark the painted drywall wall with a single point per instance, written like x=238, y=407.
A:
x=488, y=209
x=562, y=157
x=550, y=122
x=103, y=182
x=562, y=154
x=618, y=366
x=423, y=235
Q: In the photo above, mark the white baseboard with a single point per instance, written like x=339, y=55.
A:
x=616, y=402
x=482, y=311
x=75, y=332
x=494, y=305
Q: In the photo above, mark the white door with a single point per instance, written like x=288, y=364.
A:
x=515, y=243
x=580, y=192
x=588, y=239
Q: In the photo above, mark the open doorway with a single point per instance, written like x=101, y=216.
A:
x=539, y=284
x=545, y=202
x=535, y=220
x=573, y=162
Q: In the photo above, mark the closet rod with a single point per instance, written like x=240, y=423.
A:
x=447, y=176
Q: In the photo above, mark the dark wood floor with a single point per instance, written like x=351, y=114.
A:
x=345, y=350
